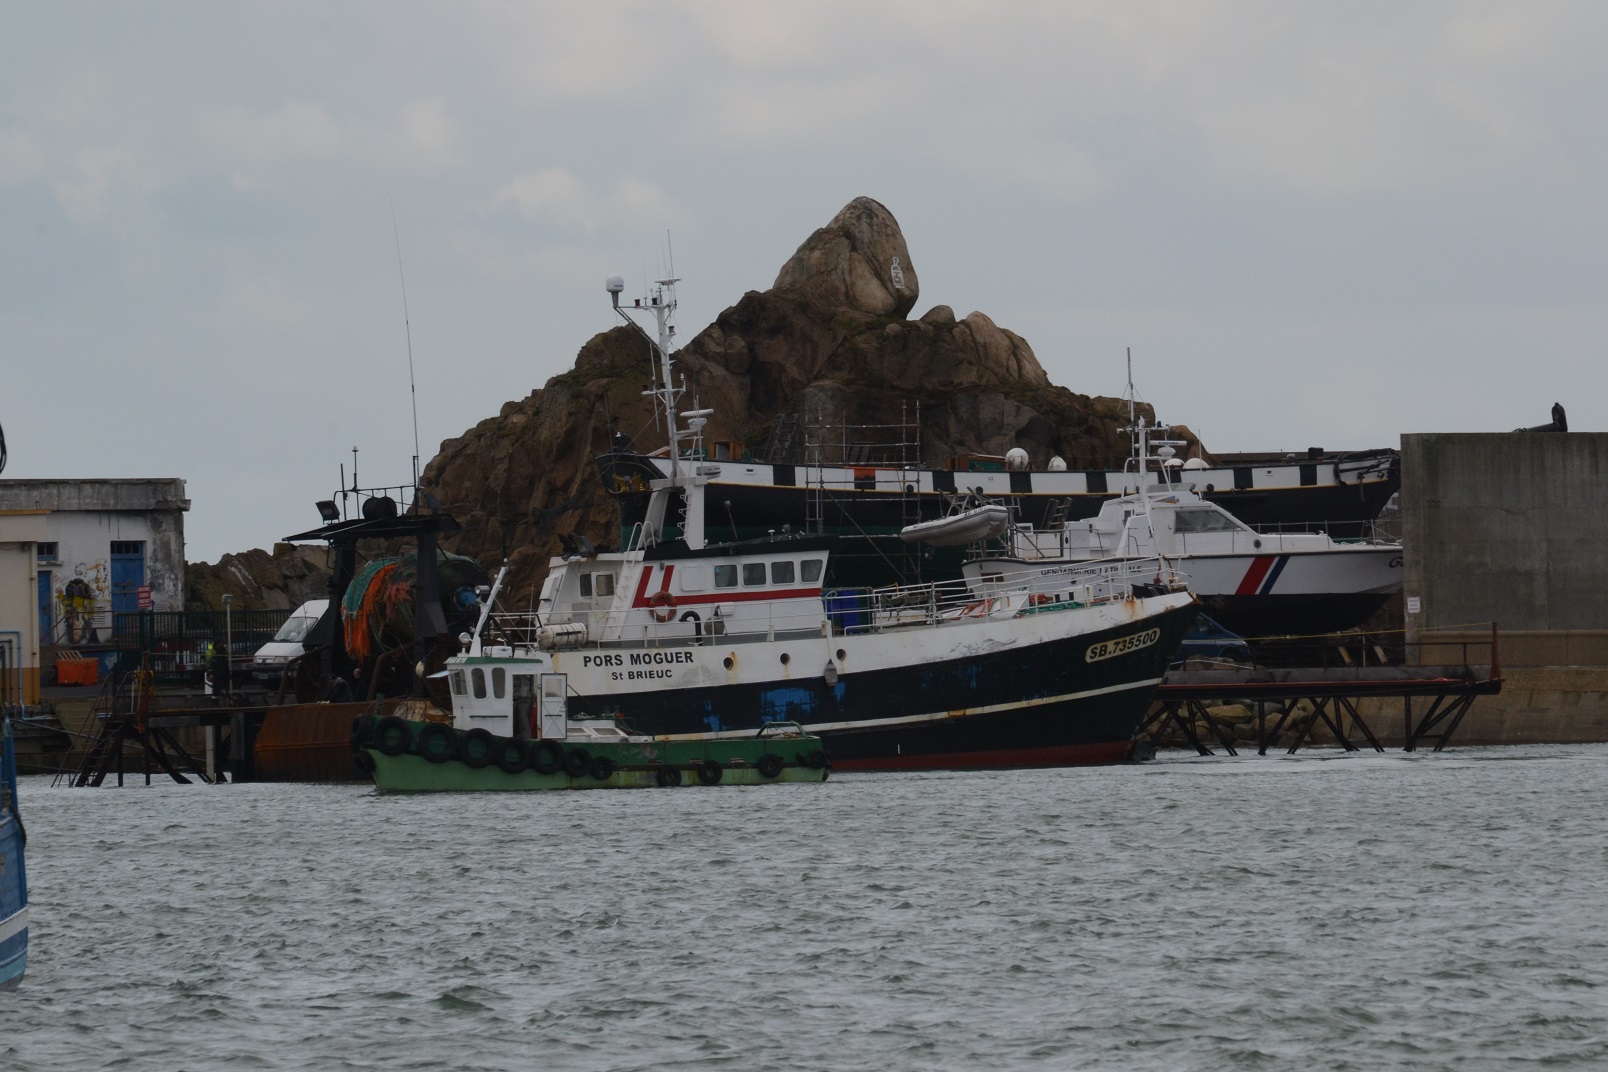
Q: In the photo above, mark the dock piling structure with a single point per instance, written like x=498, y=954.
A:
x=1330, y=695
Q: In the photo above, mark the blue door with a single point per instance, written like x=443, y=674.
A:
x=47, y=608
x=128, y=574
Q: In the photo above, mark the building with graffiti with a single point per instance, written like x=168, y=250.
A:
x=99, y=548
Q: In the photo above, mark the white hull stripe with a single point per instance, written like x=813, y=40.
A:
x=14, y=924
x=935, y=716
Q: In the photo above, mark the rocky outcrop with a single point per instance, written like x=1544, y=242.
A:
x=258, y=580
x=828, y=348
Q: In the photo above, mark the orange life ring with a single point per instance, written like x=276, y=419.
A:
x=1042, y=599
x=664, y=606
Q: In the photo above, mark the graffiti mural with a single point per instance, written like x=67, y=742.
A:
x=79, y=601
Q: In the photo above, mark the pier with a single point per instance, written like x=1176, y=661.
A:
x=1291, y=702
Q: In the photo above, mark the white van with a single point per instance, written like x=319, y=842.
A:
x=269, y=661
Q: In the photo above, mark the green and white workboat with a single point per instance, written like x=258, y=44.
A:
x=564, y=753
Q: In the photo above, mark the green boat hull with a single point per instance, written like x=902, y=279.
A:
x=444, y=760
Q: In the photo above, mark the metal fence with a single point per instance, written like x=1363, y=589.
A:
x=180, y=642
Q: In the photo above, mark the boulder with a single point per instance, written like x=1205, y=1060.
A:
x=858, y=261
x=258, y=580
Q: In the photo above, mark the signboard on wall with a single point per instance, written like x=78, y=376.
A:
x=142, y=596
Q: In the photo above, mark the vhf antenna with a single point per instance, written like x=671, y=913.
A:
x=407, y=328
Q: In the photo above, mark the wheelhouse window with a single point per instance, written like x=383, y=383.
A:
x=753, y=574
x=477, y=676
x=782, y=572
x=810, y=570
x=457, y=683
x=726, y=576
x=1202, y=521
x=499, y=682
x=600, y=585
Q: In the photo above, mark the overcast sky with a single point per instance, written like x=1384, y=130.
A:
x=1315, y=224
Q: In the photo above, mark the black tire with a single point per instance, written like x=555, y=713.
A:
x=816, y=760
x=770, y=765
x=476, y=747
x=668, y=777
x=364, y=763
x=438, y=742
x=710, y=772
x=392, y=736
x=577, y=761
x=511, y=755
x=361, y=727
x=601, y=768
x=547, y=757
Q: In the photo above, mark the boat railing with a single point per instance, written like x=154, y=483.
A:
x=682, y=625
x=1342, y=531
x=953, y=602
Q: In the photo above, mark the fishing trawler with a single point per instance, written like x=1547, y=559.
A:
x=688, y=640
x=13, y=872
x=1256, y=582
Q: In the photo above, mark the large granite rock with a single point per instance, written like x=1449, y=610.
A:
x=827, y=348
x=859, y=261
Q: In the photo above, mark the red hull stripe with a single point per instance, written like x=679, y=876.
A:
x=756, y=596
x=1071, y=755
x=1253, y=576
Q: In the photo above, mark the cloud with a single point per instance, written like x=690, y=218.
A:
x=20, y=156
x=97, y=173
x=429, y=132
x=257, y=303
x=556, y=199
x=297, y=131
x=551, y=197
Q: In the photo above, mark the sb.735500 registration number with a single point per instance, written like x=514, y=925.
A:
x=1110, y=649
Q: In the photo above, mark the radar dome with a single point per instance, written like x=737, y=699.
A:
x=1195, y=463
x=1016, y=459
x=1057, y=464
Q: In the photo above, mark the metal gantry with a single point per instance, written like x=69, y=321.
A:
x=1331, y=694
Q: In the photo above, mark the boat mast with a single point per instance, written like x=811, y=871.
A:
x=662, y=304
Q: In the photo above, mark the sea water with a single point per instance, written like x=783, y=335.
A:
x=1322, y=911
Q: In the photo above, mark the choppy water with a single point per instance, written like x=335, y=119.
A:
x=1316, y=912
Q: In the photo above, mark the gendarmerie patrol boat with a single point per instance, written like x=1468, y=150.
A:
x=1257, y=583
x=687, y=640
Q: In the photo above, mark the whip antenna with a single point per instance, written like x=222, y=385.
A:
x=407, y=329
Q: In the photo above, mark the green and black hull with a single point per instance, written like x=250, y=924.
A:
x=405, y=756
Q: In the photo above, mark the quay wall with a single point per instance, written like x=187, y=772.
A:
x=1512, y=528
x=1505, y=527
